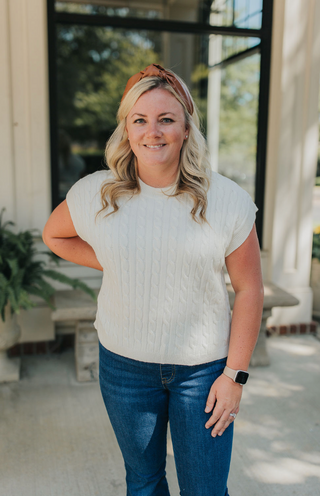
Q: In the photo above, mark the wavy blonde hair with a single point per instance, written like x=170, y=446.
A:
x=192, y=177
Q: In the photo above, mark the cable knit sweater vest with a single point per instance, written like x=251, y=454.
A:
x=163, y=297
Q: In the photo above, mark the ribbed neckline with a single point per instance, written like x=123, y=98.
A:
x=151, y=191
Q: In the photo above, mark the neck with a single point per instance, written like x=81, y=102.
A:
x=158, y=179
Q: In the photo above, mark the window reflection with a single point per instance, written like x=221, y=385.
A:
x=94, y=64
x=71, y=165
x=240, y=13
x=112, y=8
x=233, y=93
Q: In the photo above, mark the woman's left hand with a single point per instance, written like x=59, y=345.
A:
x=224, y=398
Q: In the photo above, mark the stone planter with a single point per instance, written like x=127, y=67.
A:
x=315, y=285
x=9, y=335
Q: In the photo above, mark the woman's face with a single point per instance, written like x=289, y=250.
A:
x=156, y=129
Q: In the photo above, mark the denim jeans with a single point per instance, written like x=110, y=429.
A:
x=140, y=398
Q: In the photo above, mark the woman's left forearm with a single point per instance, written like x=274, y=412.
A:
x=244, y=269
x=245, y=326
x=225, y=395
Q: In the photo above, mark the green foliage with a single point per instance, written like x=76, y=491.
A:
x=200, y=74
x=95, y=62
x=93, y=66
x=21, y=275
x=238, y=113
x=316, y=244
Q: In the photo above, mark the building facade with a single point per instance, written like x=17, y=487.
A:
x=290, y=157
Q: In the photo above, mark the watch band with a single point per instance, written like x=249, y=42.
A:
x=238, y=376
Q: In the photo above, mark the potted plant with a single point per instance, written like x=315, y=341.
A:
x=315, y=272
x=21, y=276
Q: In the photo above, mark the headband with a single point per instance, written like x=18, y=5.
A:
x=169, y=77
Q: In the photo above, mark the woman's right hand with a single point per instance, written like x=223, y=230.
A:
x=60, y=236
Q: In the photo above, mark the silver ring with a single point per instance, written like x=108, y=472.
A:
x=233, y=415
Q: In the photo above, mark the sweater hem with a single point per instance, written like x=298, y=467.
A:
x=151, y=357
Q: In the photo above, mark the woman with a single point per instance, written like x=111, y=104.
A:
x=161, y=226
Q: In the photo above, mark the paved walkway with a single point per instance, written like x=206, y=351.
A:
x=56, y=440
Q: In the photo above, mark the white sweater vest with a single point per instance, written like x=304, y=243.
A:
x=163, y=297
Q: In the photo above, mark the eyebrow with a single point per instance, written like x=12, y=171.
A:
x=160, y=115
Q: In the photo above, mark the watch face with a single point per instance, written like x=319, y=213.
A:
x=241, y=377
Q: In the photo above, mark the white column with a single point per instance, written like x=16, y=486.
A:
x=25, y=165
x=292, y=152
x=24, y=133
x=7, y=177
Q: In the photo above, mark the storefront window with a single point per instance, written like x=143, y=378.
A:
x=217, y=47
x=241, y=13
x=93, y=66
x=238, y=121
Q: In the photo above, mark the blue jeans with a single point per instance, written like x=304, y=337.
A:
x=140, y=398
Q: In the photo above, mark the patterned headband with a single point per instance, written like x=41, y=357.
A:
x=169, y=77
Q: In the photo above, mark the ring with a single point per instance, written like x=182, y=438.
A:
x=233, y=415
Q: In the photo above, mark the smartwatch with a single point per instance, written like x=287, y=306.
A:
x=238, y=376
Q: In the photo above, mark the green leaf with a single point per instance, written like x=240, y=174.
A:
x=3, y=301
x=13, y=300
x=13, y=264
x=22, y=275
x=52, y=256
x=25, y=301
x=46, y=288
x=38, y=292
x=75, y=283
x=3, y=281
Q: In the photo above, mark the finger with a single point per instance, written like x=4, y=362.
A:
x=216, y=415
x=224, y=427
x=210, y=401
x=224, y=422
x=229, y=421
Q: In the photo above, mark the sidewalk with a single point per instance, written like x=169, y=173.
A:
x=56, y=440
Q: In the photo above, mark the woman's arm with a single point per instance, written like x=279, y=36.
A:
x=61, y=237
x=245, y=274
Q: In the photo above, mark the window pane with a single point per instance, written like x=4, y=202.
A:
x=141, y=9
x=233, y=45
x=233, y=128
x=94, y=64
x=240, y=13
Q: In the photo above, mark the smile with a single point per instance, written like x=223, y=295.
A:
x=154, y=147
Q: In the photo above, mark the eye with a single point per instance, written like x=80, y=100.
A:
x=167, y=119
x=139, y=121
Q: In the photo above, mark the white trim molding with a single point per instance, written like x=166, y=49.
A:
x=25, y=156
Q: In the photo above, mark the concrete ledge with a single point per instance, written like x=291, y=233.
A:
x=73, y=305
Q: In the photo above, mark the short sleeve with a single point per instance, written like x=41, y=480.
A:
x=83, y=200
x=245, y=215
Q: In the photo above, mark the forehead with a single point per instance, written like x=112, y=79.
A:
x=157, y=100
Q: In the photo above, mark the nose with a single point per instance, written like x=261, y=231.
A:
x=153, y=130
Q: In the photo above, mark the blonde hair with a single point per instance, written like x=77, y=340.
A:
x=192, y=176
